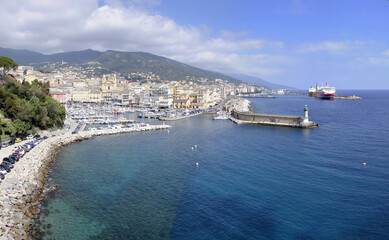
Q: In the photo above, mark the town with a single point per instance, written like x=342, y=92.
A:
x=69, y=83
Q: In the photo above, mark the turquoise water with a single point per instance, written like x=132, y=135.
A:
x=252, y=182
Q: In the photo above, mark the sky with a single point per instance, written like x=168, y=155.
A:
x=292, y=42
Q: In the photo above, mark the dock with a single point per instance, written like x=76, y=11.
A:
x=271, y=120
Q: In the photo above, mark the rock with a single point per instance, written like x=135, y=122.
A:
x=35, y=211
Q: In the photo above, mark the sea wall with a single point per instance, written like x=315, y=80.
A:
x=270, y=119
x=22, y=188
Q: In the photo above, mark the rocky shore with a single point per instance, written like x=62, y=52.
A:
x=22, y=189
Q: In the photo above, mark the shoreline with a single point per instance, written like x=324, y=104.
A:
x=22, y=188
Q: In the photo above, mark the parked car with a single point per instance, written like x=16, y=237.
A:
x=16, y=156
x=21, y=150
x=37, y=136
x=5, y=167
x=13, y=156
x=2, y=176
x=10, y=165
x=17, y=152
x=3, y=170
x=7, y=159
x=29, y=137
x=27, y=147
x=18, y=140
x=5, y=144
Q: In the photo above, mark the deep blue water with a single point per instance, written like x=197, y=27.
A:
x=252, y=182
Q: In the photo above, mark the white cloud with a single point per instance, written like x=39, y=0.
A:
x=386, y=53
x=66, y=25
x=334, y=47
x=379, y=61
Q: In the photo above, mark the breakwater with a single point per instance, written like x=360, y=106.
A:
x=270, y=120
x=23, y=187
x=353, y=97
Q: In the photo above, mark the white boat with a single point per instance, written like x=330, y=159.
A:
x=220, y=116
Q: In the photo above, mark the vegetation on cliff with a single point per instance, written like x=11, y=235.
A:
x=26, y=107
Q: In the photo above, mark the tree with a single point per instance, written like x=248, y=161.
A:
x=7, y=64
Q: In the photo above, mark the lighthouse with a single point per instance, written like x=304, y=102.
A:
x=306, y=114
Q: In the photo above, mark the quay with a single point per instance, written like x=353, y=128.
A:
x=240, y=114
x=270, y=120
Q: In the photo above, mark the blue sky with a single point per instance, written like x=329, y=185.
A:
x=291, y=42
x=340, y=42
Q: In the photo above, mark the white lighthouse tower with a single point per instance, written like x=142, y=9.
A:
x=306, y=120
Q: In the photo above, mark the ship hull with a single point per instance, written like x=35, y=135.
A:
x=323, y=95
x=311, y=94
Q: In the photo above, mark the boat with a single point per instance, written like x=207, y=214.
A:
x=325, y=92
x=220, y=116
x=311, y=91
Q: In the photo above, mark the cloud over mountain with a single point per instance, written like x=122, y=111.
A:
x=66, y=25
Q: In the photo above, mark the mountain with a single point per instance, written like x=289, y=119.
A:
x=121, y=62
x=127, y=62
x=26, y=57
x=260, y=82
x=23, y=57
x=75, y=57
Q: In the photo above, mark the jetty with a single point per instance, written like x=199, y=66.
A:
x=270, y=120
x=353, y=97
x=241, y=114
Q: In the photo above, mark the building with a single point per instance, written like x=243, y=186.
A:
x=181, y=103
x=80, y=95
x=59, y=96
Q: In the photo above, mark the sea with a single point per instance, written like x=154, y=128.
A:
x=214, y=179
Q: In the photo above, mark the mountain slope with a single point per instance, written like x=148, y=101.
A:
x=75, y=57
x=259, y=81
x=126, y=62
x=23, y=57
x=26, y=57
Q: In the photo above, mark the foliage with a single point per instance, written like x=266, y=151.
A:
x=6, y=64
x=25, y=107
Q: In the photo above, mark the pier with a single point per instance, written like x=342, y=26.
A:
x=353, y=97
x=270, y=120
x=240, y=113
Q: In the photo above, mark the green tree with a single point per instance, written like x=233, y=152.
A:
x=7, y=64
x=20, y=127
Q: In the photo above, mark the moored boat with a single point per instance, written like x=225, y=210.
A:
x=325, y=92
x=220, y=116
x=311, y=91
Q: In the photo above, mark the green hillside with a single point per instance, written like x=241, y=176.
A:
x=114, y=61
x=127, y=62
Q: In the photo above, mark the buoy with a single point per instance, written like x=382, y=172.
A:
x=192, y=148
x=195, y=146
x=197, y=164
x=364, y=164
